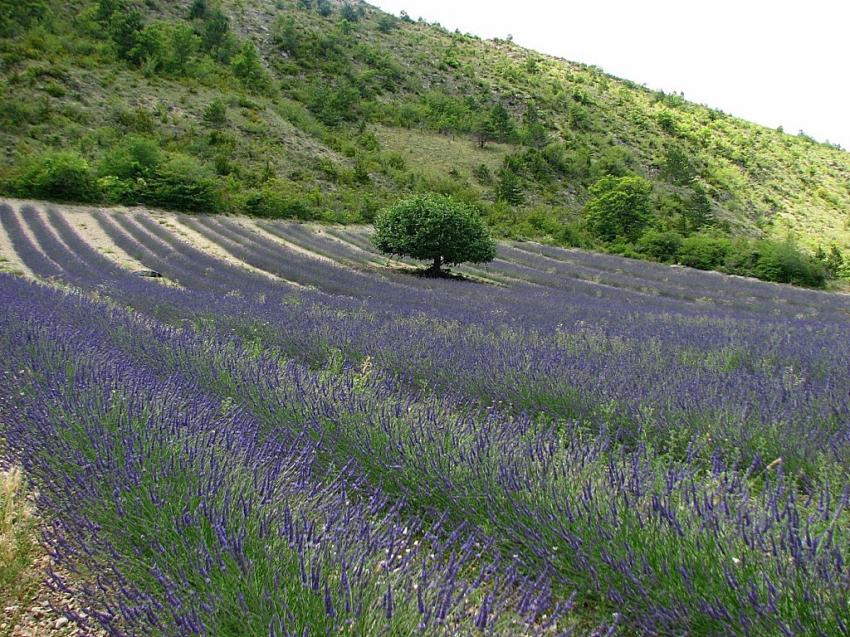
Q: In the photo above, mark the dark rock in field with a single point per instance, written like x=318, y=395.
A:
x=151, y=274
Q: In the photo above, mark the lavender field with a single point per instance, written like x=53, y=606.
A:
x=288, y=435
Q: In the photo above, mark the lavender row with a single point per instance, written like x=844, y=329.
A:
x=685, y=549
x=178, y=515
x=420, y=454
x=771, y=389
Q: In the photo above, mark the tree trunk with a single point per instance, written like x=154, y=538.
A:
x=435, y=267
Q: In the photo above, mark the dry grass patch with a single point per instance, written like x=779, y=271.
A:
x=18, y=546
x=441, y=153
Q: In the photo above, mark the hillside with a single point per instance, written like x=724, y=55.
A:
x=329, y=111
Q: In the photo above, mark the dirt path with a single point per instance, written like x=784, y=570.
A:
x=41, y=615
x=13, y=261
x=89, y=229
x=29, y=607
x=9, y=260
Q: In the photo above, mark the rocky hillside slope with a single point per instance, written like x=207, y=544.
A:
x=323, y=110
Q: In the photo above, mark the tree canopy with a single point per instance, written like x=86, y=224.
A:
x=434, y=228
x=618, y=207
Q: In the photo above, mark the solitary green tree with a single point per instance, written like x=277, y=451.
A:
x=509, y=187
x=433, y=228
x=618, y=207
x=501, y=123
x=484, y=131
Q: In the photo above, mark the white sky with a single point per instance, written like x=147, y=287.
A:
x=775, y=63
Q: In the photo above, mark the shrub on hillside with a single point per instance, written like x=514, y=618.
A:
x=698, y=211
x=165, y=48
x=277, y=200
x=785, y=263
x=679, y=167
x=333, y=104
x=706, y=252
x=509, y=187
x=124, y=28
x=137, y=120
x=126, y=169
x=667, y=121
x=246, y=66
x=574, y=235
x=135, y=156
x=387, y=23
x=482, y=174
x=624, y=248
x=661, y=246
x=182, y=183
x=216, y=37
x=215, y=114
x=59, y=175
x=833, y=262
x=618, y=207
x=616, y=161
x=115, y=190
x=16, y=16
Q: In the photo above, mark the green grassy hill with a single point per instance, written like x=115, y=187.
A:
x=322, y=110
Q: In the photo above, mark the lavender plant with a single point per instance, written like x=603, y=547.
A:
x=663, y=444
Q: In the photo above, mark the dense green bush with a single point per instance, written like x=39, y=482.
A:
x=785, y=263
x=679, y=167
x=15, y=16
x=278, y=200
x=198, y=9
x=573, y=234
x=215, y=114
x=165, y=48
x=135, y=156
x=450, y=114
x=661, y=246
x=126, y=169
x=123, y=27
x=504, y=128
x=616, y=161
x=482, y=173
x=387, y=22
x=773, y=261
x=667, y=121
x=216, y=38
x=246, y=66
x=57, y=175
x=579, y=117
x=137, y=120
x=333, y=104
x=698, y=210
x=618, y=207
x=706, y=252
x=833, y=262
x=533, y=164
x=114, y=190
x=509, y=187
x=534, y=132
x=182, y=183
x=351, y=13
